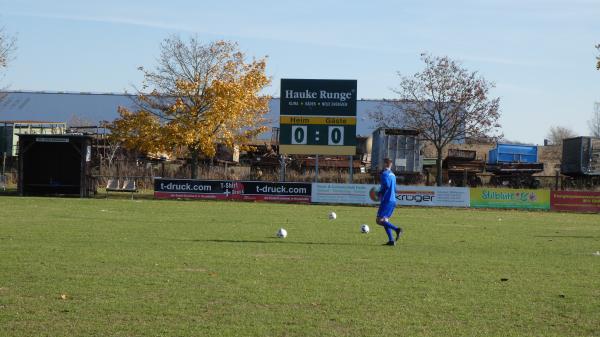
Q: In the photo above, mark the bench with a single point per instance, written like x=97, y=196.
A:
x=115, y=185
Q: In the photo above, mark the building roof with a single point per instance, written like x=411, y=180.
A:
x=93, y=108
x=64, y=107
x=29, y=122
x=60, y=135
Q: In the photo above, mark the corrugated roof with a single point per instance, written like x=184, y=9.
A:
x=29, y=122
x=94, y=108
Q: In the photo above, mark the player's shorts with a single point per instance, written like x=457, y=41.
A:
x=386, y=210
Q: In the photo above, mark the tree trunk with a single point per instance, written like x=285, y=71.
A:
x=438, y=163
x=194, y=164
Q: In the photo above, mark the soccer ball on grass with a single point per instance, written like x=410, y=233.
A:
x=364, y=229
x=281, y=233
x=332, y=216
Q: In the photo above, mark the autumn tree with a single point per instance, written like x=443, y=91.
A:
x=199, y=95
x=444, y=102
x=594, y=122
x=556, y=134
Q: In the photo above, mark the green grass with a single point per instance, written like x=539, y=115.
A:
x=176, y=268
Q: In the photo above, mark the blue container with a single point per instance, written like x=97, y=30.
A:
x=513, y=153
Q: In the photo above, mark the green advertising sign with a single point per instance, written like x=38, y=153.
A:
x=308, y=97
x=510, y=198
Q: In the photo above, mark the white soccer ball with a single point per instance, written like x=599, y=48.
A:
x=332, y=216
x=281, y=233
x=364, y=229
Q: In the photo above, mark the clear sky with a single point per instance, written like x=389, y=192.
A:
x=540, y=53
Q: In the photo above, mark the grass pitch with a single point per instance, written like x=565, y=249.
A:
x=71, y=267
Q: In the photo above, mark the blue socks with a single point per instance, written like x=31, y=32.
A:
x=390, y=229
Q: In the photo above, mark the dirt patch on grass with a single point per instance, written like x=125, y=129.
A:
x=194, y=270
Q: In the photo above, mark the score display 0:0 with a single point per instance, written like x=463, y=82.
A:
x=300, y=135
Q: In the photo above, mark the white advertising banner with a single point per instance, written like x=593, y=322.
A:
x=433, y=196
x=405, y=195
x=341, y=193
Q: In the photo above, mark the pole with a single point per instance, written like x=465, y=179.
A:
x=351, y=169
x=316, y=168
x=281, y=168
x=3, y=179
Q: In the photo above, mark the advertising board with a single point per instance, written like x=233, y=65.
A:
x=357, y=194
x=432, y=196
x=366, y=194
x=575, y=201
x=233, y=190
x=510, y=198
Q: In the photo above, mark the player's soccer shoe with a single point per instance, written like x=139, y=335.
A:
x=390, y=243
x=399, y=232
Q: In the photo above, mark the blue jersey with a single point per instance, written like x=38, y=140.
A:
x=387, y=191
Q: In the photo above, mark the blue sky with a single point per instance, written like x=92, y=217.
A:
x=539, y=52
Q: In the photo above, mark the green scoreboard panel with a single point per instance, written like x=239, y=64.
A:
x=318, y=117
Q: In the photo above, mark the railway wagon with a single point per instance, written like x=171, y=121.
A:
x=404, y=148
x=581, y=161
x=461, y=168
x=514, y=165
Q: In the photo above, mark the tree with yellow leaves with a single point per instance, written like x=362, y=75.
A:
x=198, y=96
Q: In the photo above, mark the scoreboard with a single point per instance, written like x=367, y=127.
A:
x=317, y=117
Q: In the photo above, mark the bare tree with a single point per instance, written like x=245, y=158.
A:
x=78, y=121
x=556, y=134
x=445, y=102
x=7, y=47
x=594, y=123
x=598, y=57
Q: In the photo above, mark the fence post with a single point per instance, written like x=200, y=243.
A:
x=316, y=168
x=351, y=169
x=281, y=168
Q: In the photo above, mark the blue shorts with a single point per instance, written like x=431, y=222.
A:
x=386, y=210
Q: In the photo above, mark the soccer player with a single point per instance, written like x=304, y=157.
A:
x=387, y=203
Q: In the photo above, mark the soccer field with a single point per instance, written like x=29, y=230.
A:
x=82, y=267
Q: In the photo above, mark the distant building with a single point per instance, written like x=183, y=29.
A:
x=94, y=108
x=10, y=131
x=62, y=106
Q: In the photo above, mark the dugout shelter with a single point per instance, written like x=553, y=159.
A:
x=54, y=165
